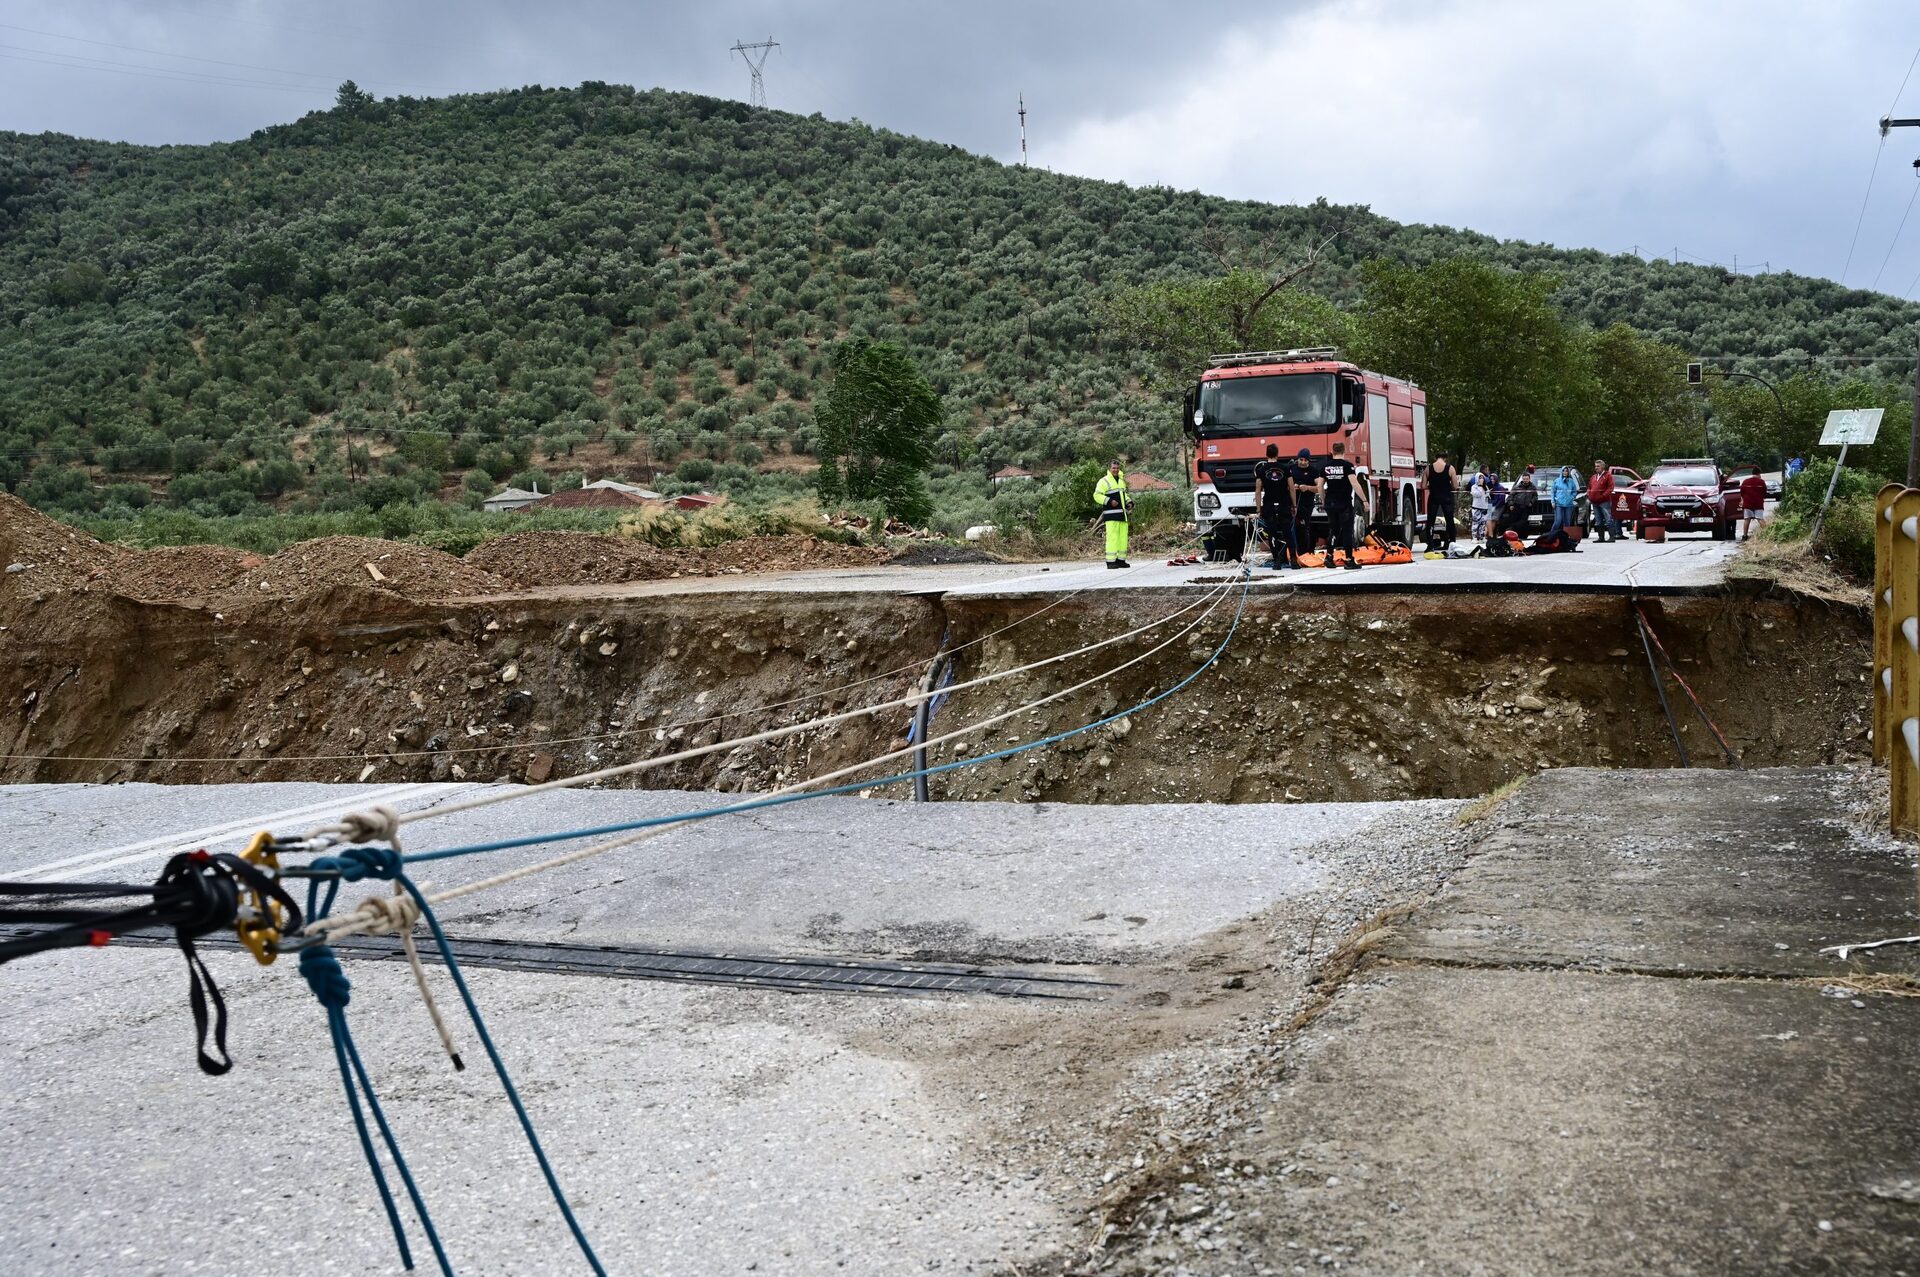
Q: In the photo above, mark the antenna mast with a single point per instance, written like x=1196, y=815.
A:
x=755, y=56
x=1023, y=130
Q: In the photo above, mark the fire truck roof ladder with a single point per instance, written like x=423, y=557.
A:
x=1305, y=354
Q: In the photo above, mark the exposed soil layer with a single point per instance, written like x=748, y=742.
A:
x=1329, y=698
x=789, y=551
x=109, y=655
x=576, y=558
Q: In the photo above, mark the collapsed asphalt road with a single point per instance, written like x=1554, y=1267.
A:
x=1363, y=1038
x=697, y=1129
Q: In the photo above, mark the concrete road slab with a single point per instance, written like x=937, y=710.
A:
x=695, y=1131
x=1677, y=871
x=1618, y=566
x=882, y=578
x=1453, y=1121
x=967, y=881
x=1679, y=566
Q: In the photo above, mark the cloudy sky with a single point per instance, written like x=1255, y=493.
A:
x=1723, y=129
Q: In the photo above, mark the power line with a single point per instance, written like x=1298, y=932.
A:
x=1895, y=241
x=1862, y=217
x=1874, y=171
x=187, y=57
x=176, y=78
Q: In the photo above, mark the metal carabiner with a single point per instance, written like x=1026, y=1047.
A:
x=261, y=917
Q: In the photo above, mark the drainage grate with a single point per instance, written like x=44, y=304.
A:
x=623, y=962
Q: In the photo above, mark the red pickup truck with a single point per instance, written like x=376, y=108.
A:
x=1627, y=486
x=1691, y=494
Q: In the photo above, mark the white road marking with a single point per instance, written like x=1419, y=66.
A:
x=228, y=831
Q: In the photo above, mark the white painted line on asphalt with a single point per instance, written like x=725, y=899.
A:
x=212, y=835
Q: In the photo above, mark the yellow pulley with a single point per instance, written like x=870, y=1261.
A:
x=261, y=920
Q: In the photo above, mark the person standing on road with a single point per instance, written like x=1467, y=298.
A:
x=1303, y=482
x=1275, y=504
x=1115, y=505
x=1753, y=502
x=1480, y=498
x=1439, y=479
x=1566, y=498
x=1600, y=503
x=1340, y=491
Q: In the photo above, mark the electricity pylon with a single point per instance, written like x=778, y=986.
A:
x=755, y=56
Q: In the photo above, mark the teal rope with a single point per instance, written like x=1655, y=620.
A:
x=353, y=863
x=322, y=969
x=500, y=1067
x=760, y=804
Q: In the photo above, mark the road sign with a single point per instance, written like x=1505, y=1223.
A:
x=1852, y=425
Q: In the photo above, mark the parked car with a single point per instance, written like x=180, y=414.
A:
x=1738, y=474
x=1543, y=477
x=1690, y=494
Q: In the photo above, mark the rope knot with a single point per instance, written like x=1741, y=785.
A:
x=321, y=967
x=203, y=888
x=397, y=914
x=355, y=863
x=377, y=824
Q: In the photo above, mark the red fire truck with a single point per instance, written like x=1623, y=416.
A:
x=1303, y=399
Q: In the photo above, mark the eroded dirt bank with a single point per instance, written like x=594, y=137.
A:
x=1318, y=698
x=1324, y=697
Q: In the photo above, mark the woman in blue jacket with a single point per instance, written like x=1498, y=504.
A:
x=1566, y=497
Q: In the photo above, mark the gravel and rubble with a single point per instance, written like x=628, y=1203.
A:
x=1143, y=1103
x=711, y=1130
x=531, y=559
x=38, y=553
x=1537, y=1068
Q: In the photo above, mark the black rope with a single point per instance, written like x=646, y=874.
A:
x=196, y=894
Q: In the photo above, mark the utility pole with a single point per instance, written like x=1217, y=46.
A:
x=1023, y=130
x=755, y=56
x=1887, y=125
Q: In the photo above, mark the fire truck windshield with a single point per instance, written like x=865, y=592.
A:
x=1281, y=404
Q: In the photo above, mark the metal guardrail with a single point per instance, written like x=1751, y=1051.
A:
x=1896, y=649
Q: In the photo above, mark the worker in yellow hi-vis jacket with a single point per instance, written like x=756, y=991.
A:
x=1116, y=504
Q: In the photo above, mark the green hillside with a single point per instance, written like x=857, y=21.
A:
x=358, y=308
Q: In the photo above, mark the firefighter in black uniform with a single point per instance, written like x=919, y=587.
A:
x=1339, y=487
x=1303, y=483
x=1271, y=498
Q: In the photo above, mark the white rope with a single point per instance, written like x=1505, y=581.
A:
x=350, y=925
x=349, y=827
x=1841, y=951
x=399, y=914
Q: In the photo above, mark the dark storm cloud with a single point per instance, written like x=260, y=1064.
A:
x=1722, y=128
x=944, y=71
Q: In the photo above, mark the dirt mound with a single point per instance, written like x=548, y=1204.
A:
x=575, y=558
x=315, y=567
x=178, y=572
x=934, y=553
x=789, y=553
x=38, y=553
